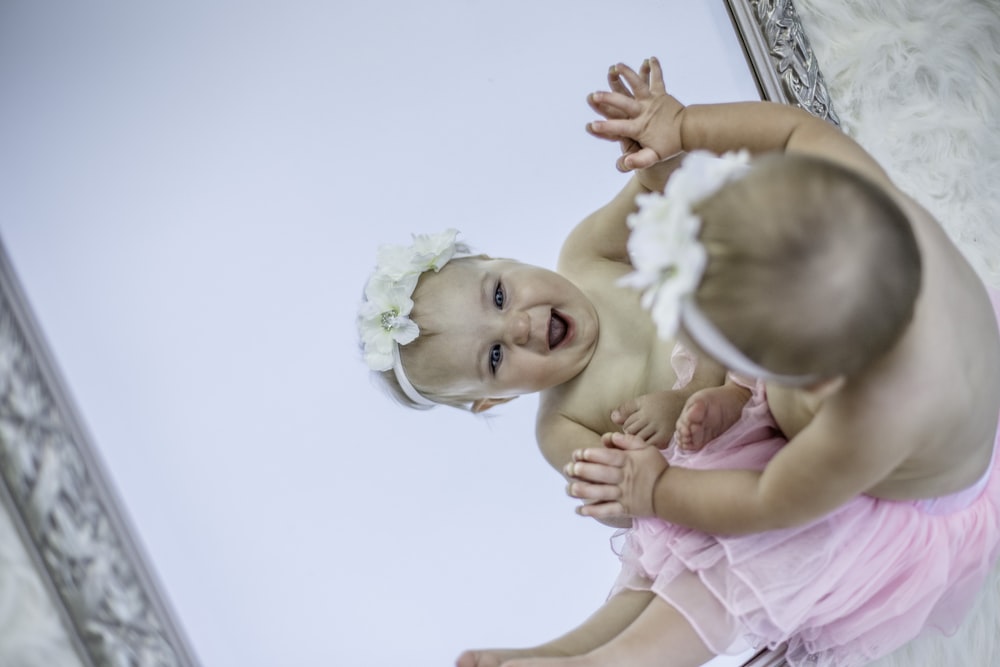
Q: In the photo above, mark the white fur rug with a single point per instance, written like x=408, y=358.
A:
x=917, y=83
x=976, y=644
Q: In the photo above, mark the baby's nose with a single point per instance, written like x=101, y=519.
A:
x=518, y=328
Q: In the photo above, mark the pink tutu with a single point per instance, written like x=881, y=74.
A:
x=841, y=591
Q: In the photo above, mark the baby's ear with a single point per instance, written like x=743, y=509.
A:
x=484, y=404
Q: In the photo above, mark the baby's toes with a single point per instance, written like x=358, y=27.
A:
x=684, y=421
x=624, y=412
x=635, y=424
x=697, y=439
x=682, y=432
x=695, y=411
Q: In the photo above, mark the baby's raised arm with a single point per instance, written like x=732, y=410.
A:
x=604, y=233
x=659, y=126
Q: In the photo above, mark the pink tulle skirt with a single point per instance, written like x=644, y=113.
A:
x=841, y=591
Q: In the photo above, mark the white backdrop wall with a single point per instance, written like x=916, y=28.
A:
x=192, y=193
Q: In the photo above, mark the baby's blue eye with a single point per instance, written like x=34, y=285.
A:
x=498, y=296
x=496, y=355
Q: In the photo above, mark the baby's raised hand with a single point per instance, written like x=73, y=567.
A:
x=640, y=114
x=650, y=416
x=616, y=480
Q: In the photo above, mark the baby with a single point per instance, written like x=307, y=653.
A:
x=804, y=268
x=440, y=325
x=838, y=291
x=877, y=349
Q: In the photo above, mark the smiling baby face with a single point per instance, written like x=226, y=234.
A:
x=496, y=328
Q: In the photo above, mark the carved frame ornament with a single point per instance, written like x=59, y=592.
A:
x=780, y=57
x=61, y=499
x=73, y=526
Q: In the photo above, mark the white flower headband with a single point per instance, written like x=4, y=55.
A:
x=669, y=260
x=384, y=318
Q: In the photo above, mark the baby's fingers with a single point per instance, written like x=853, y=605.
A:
x=656, y=85
x=605, y=510
x=608, y=111
x=591, y=493
x=615, y=445
x=593, y=472
x=600, y=455
x=615, y=81
x=614, y=105
x=636, y=82
x=614, y=129
x=642, y=158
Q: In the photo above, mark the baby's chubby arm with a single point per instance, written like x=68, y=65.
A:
x=557, y=437
x=604, y=233
x=659, y=126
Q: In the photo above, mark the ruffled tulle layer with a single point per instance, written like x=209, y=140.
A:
x=841, y=591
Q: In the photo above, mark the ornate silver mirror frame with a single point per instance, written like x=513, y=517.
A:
x=75, y=530
x=73, y=526
x=779, y=54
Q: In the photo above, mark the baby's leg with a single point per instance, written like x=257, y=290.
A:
x=611, y=618
x=708, y=413
x=660, y=637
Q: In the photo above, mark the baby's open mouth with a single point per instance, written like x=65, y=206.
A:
x=557, y=329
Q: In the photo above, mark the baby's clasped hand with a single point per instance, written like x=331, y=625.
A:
x=616, y=480
x=641, y=115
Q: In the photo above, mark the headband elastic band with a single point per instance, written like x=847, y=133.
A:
x=419, y=400
x=714, y=343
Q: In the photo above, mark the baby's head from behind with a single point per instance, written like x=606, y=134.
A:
x=812, y=269
x=472, y=331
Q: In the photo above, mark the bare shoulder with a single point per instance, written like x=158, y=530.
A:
x=822, y=139
x=952, y=345
x=921, y=415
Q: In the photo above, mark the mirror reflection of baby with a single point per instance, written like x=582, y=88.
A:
x=842, y=502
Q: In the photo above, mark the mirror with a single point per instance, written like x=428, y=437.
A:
x=193, y=196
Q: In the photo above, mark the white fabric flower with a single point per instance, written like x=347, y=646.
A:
x=433, y=251
x=667, y=257
x=395, y=262
x=384, y=317
x=383, y=321
x=703, y=173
